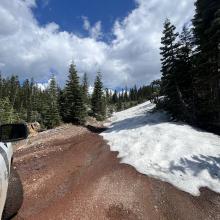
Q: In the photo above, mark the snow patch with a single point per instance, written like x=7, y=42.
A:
x=174, y=152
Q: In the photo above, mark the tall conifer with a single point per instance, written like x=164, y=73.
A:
x=98, y=100
x=52, y=117
x=170, y=85
x=85, y=88
x=74, y=107
x=207, y=39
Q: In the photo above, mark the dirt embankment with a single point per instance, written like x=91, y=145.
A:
x=70, y=173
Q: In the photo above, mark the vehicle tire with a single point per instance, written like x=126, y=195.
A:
x=14, y=196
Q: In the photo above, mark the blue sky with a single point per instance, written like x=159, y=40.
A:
x=120, y=38
x=68, y=14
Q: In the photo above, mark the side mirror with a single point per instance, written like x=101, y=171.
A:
x=13, y=132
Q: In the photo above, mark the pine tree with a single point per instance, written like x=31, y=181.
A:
x=109, y=106
x=27, y=93
x=7, y=113
x=126, y=94
x=207, y=78
x=135, y=93
x=52, y=117
x=74, y=107
x=62, y=102
x=85, y=88
x=13, y=90
x=43, y=98
x=170, y=85
x=108, y=97
x=131, y=93
x=36, y=110
x=115, y=97
x=184, y=75
x=119, y=105
x=98, y=100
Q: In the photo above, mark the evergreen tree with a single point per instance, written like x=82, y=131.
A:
x=62, y=102
x=36, y=102
x=126, y=98
x=109, y=106
x=185, y=76
x=119, y=105
x=7, y=113
x=135, y=93
x=170, y=87
x=207, y=78
x=52, y=117
x=13, y=90
x=115, y=97
x=74, y=107
x=98, y=100
x=27, y=93
x=131, y=93
x=85, y=88
x=108, y=96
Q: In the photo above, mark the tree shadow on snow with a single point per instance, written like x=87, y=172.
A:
x=149, y=118
x=197, y=164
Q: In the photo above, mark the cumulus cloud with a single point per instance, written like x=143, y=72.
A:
x=94, y=31
x=86, y=23
x=132, y=57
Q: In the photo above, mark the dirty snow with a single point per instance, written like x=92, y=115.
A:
x=174, y=152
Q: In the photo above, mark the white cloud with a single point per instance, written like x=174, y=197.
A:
x=43, y=86
x=86, y=23
x=94, y=31
x=30, y=3
x=31, y=50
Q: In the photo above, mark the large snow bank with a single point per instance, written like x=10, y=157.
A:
x=177, y=153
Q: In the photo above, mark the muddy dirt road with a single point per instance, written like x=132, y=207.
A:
x=71, y=174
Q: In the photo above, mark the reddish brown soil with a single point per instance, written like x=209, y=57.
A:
x=79, y=178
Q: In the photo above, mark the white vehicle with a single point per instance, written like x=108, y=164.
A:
x=11, y=192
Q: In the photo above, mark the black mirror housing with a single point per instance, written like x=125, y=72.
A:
x=13, y=132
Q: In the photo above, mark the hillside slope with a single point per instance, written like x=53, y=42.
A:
x=70, y=173
x=174, y=152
